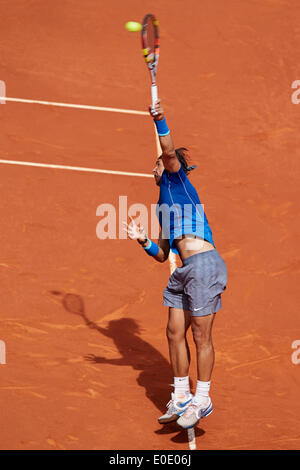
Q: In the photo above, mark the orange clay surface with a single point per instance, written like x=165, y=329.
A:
x=100, y=380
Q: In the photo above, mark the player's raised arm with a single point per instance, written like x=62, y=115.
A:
x=170, y=161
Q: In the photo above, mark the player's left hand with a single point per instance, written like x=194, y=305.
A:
x=157, y=113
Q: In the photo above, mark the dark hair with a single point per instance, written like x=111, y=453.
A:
x=182, y=157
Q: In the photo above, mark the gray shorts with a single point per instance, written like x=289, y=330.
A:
x=198, y=284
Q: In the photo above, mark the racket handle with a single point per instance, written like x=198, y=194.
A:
x=154, y=95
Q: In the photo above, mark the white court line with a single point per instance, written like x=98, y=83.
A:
x=77, y=106
x=74, y=168
x=173, y=266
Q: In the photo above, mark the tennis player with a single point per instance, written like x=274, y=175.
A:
x=193, y=293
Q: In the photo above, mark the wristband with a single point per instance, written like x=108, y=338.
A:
x=145, y=241
x=152, y=249
x=162, y=127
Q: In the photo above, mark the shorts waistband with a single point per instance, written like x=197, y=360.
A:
x=193, y=258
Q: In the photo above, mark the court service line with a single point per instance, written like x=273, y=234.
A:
x=74, y=168
x=71, y=105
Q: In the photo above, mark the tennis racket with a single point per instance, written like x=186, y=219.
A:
x=150, y=46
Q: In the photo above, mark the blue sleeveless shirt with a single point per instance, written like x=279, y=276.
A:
x=179, y=209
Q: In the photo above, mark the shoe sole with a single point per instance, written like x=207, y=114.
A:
x=169, y=420
x=207, y=413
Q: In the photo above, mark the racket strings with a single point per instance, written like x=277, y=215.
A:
x=150, y=38
x=150, y=41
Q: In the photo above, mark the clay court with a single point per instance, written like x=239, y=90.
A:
x=99, y=378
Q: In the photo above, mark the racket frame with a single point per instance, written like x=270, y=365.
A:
x=151, y=58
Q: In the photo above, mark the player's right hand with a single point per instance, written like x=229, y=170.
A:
x=134, y=231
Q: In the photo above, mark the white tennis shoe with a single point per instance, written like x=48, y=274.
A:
x=194, y=412
x=175, y=408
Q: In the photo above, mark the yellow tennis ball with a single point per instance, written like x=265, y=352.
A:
x=133, y=26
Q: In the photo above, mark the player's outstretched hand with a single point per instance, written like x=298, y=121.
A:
x=134, y=231
x=157, y=113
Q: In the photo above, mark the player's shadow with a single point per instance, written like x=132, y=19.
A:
x=155, y=370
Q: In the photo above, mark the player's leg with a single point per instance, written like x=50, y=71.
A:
x=202, y=334
x=201, y=405
x=178, y=323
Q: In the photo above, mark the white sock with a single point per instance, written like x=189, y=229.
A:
x=182, y=386
x=202, y=391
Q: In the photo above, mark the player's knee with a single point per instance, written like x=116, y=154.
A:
x=174, y=334
x=202, y=338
